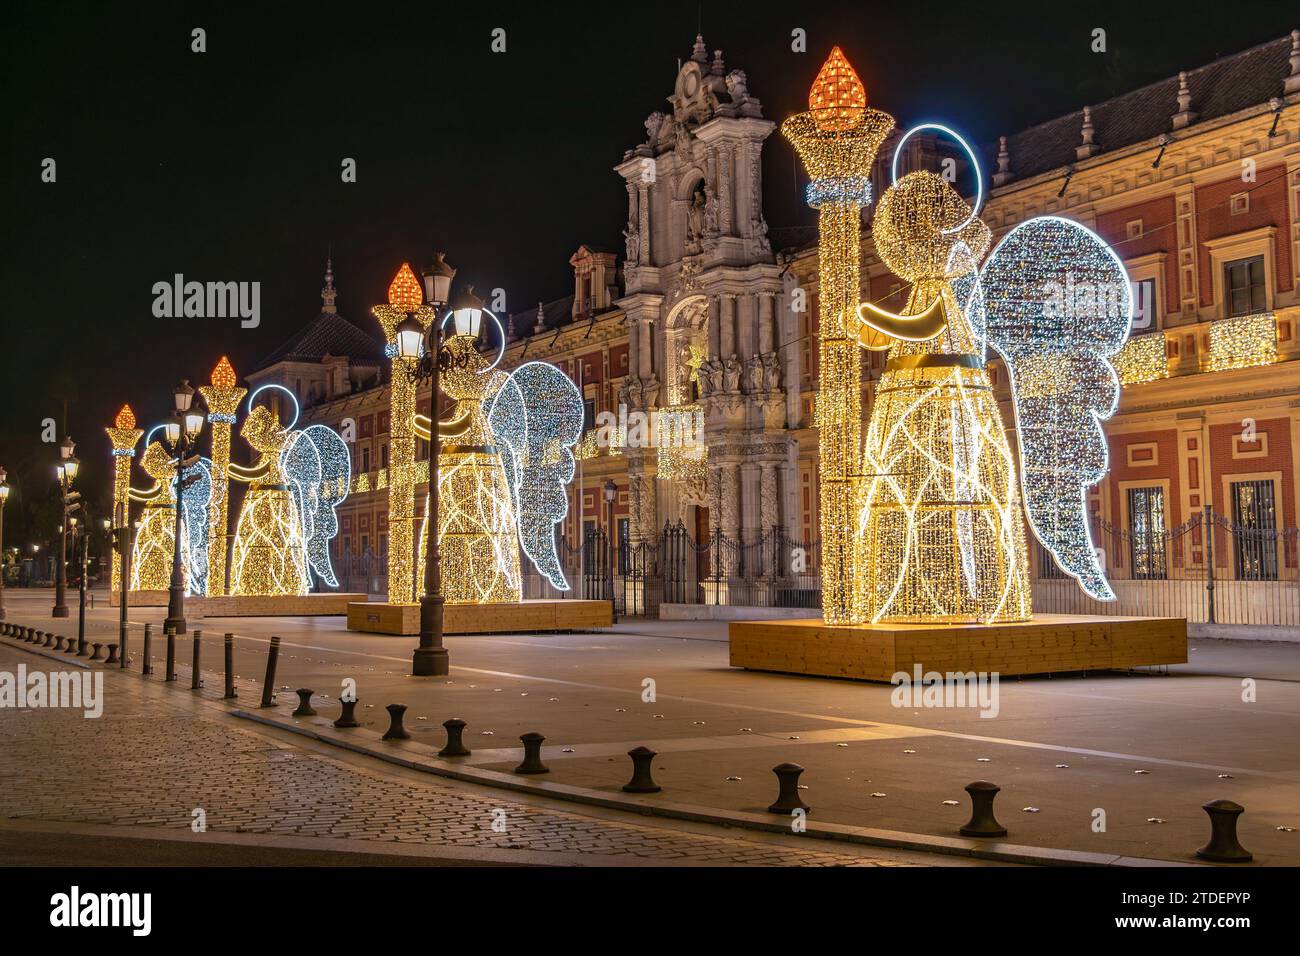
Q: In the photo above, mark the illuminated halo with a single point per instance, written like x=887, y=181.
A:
x=974, y=161
x=262, y=388
x=501, y=335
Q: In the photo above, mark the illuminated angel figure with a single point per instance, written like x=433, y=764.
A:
x=151, y=561
x=940, y=521
x=269, y=555
x=506, y=459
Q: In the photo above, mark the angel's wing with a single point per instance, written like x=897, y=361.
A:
x=318, y=465
x=1057, y=306
x=196, y=501
x=537, y=416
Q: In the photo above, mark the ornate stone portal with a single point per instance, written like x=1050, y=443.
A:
x=708, y=315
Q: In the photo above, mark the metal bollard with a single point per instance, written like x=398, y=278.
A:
x=268, y=683
x=230, y=668
x=171, y=654
x=33, y=636
x=71, y=647
x=95, y=656
x=121, y=660
x=195, y=677
x=532, y=754
x=455, y=727
x=112, y=654
x=1224, y=846
x=787, y=797
x=395, y=729
x=49, y=640
x=348, y=718
x=58, y=642
x=147, y=666
x=982, y=822
x=304, y=703
x=641, y=781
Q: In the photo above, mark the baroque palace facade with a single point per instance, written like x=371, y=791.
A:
x=701, y=325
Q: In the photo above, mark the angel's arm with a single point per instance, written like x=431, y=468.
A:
x=147, y=494
x=447, y=428
x=246, y=475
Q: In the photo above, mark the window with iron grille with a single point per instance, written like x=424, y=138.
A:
x=1255, y=537
x=1146, y=529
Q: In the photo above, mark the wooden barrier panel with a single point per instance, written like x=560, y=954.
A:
x=1050, y=643
x=378, y=617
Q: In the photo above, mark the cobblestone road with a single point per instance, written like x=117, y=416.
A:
x=155, y=756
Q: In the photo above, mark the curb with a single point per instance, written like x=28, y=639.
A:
x=407, y=754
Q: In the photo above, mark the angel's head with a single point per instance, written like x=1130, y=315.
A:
x=262, y=430
x=157, y=464
x=923, y=229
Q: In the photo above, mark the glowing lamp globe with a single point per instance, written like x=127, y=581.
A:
x=172, y=430
x=467, y=313
x=70, y=469
x=437, y=277
x=410, y=335
x=183, y=396
x=193, y=423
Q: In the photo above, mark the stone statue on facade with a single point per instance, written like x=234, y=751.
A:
x=731, y=372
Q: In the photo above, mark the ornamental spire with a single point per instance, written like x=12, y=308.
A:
x=328, y=293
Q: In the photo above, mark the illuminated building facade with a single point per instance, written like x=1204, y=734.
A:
x=1194, y=181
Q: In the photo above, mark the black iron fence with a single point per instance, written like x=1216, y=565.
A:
x=1239, y=574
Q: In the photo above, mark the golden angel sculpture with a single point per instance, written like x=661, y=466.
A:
x=941, y=511
x=506, y=457
x=288, y=516
x=938, y=520
x=151, y=562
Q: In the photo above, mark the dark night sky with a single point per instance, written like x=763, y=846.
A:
x=225, y=165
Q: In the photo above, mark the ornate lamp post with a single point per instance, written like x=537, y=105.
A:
x=611, y=493
x=180, y=435
x=67, y=472
x=4, y=496
x=430, y=658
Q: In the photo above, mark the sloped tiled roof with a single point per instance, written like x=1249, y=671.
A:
x=1221, y=88
x=328, y=334
x=555, y=314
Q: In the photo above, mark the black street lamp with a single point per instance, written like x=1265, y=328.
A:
x=611, y=493
x=4, y=496
x=180, y=437
x=67, y=473
x=430, y=658
x=122, y=542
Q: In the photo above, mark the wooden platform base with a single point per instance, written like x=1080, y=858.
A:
x=323, y=604
x=1049, y=644
x=140, y=599
x=376, y=617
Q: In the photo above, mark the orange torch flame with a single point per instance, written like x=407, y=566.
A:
x=125, y=419
x=405, y=292
x=223, y=376
x=837, y=98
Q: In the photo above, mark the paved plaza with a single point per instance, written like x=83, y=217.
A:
x=1111, y=765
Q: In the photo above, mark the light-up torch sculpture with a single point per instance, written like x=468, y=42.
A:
x=838, y=139
x=124, y=436
x=222, y=400
x=405, y=300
